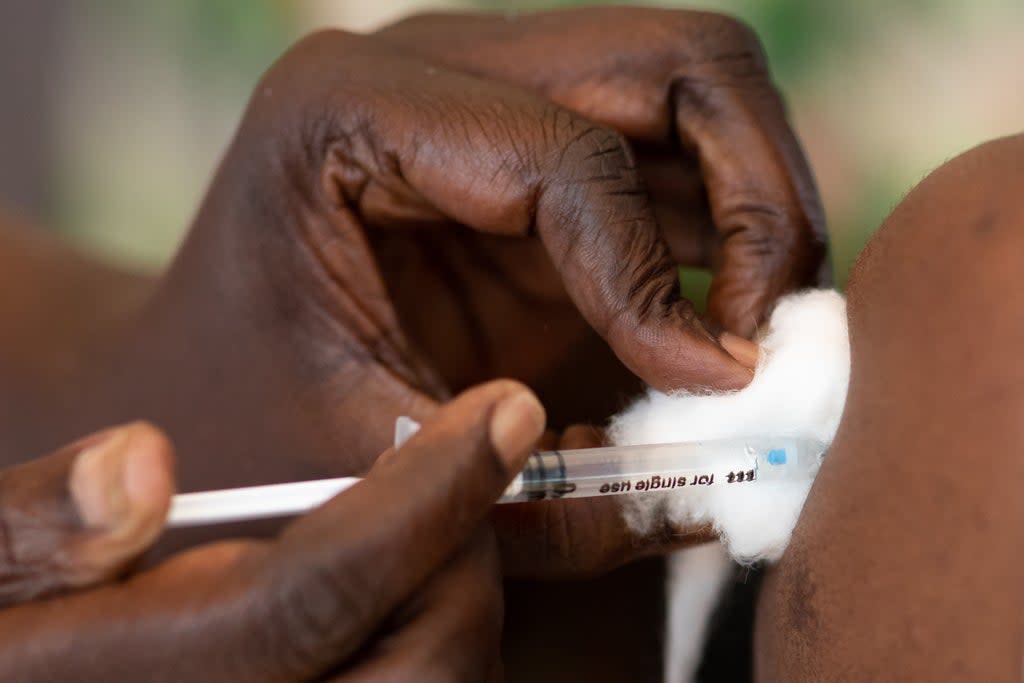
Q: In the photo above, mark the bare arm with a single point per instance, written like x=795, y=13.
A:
x=906, y=562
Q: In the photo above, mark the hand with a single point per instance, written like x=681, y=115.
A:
x=354, y=591
x=79, y=517
x=727, y=181
x=373, y=135
x=387, y=228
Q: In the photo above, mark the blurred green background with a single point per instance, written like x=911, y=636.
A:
x=120, y=119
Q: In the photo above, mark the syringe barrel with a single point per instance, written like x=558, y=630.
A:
x=619, y=470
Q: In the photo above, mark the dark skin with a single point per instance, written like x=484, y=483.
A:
x=905, y=564
x=371, y=245
x=926, y=478
x=401, y=216
x=305, y=606
x=71, y=520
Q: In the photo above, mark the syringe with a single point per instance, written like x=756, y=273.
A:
x=613, y=470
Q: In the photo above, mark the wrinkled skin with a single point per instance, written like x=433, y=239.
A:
x=909, y=539
x=400, y=217
x=452, y=199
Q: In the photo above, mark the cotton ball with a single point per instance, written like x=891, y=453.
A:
x=798, y=390
x=754, y=523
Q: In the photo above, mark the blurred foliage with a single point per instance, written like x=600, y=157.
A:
x=223, y=35
x=156, y=90
x=794, y=31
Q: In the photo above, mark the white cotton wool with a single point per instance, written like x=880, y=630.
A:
x=799, y=389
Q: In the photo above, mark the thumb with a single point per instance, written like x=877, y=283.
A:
x=368, y=550
x=79, y=516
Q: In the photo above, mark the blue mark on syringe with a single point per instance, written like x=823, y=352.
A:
x=777, y=456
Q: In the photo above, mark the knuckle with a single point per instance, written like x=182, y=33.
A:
x=321, y=39
x=725, y=33
x=289, y=71
x=293, y=113
x=345, y=167
x=588, y=147
x=694, y=95
x=753, y=219
x=774, y=234
x=719, y=49
x=602, y=162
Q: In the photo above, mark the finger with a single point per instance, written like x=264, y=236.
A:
x=339, y=572
x=582, y=436
x=761, y=192
x=450, y=632
x=699, y=74
x=746, y=352
x=680, y=203
x=503, y=161
x=548, y=440
x=81, y=515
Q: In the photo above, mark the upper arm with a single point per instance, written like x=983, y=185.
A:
x=905, y=562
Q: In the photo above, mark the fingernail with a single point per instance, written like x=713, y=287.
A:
x=747, y=353
x=97, y=481
x=516, y=424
